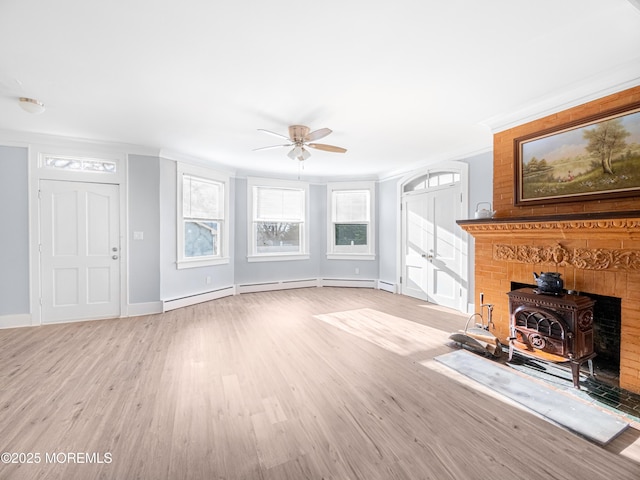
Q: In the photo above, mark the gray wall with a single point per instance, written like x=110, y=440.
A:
x=14, y=233
x=144, y=216
x=346, y=269
x=388, y=224
x=256, y=272
x=480, y=190
x=176, y=283
x=317, y=266
x=152, y=210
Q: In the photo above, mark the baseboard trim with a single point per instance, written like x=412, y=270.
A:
x=173, y=303
x=148, y=308
x=277, y=285
x=15, y=321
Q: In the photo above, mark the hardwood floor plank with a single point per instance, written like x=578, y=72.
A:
x=258, y=386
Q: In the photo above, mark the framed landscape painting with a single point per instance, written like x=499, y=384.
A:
x=594, y=158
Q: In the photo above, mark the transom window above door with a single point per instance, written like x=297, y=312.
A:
x=432, y=180
x=78, y=164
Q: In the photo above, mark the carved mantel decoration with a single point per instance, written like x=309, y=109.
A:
x=628, y=225
x=583, y=258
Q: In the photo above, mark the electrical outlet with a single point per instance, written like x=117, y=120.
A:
x=357, y=271
x=208, y=280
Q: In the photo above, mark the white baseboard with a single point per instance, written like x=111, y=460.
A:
x=348, y=282
x=387, y=286
x=14, y=321
x=173, y=303
x=148, y=308
x=276, y=285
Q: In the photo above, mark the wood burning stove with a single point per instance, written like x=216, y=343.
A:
x=552, y=327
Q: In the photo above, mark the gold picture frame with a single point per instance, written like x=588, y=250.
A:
x=592, y=158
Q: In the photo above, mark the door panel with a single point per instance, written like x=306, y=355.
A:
x=415, y=247
x=431, y=246
x=80, y=250
x=443, y=286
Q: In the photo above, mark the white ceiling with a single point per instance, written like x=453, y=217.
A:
x=402, y=83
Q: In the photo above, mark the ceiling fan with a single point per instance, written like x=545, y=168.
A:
x=299, y=138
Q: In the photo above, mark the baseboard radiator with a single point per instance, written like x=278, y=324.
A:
x=386, y=286
x=276, y=285
x=174, y=303
x=348, y=282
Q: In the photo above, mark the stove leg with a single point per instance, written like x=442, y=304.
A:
x=575, y=372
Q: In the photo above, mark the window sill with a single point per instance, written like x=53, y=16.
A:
x=350, y=256
x=201, y=262
x=277, y=258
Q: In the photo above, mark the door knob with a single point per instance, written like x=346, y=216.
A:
x=115, y=257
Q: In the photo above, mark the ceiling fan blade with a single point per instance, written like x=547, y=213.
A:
x=274, y=134
x=317, y=134
x=273, y=146
x=327, y=148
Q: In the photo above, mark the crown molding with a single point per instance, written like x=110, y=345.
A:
x=25, y=139
x=623, y=77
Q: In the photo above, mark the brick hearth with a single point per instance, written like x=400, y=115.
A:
x=595, y=245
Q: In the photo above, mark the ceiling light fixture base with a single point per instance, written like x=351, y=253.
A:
x=31, y=105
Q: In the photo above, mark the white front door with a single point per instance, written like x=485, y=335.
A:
x=80, y=250
x=432, y=253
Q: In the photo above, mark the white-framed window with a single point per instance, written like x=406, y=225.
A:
x=203, y=212
x=278, y=227
x=351, y=220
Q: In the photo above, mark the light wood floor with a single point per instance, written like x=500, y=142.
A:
x=267, y=386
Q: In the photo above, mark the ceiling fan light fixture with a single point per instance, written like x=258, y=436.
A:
x=31, y=105
x=292, y=154
x=300, y=137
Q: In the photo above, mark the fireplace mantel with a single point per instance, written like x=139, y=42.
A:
x=608, y=225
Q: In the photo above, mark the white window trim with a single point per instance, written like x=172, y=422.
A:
x=332, y=254
x=207, y=174
x=252, y=255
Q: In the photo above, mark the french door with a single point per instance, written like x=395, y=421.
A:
x=431, y=246
x=79, y=250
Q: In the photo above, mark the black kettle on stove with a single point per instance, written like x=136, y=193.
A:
x=549, y=282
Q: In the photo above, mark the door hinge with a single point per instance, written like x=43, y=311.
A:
x=39, y=194
x=400, y=280
x=40, y=247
